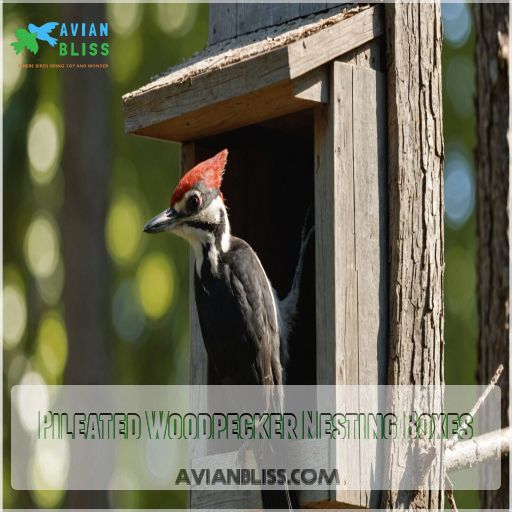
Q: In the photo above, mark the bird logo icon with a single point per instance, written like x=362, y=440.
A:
x=28, y=38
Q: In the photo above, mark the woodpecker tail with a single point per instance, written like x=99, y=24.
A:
x=288, y=306
x=279, y=500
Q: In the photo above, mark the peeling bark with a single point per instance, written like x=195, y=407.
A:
x=415, y=173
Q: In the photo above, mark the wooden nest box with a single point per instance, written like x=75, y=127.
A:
x=300, y=103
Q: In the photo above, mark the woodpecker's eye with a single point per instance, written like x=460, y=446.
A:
x=193, y=202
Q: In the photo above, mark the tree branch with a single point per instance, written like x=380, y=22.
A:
x=477, y=450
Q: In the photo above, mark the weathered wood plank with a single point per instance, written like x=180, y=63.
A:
x=351, y=253
x=369, y=55
x=329, y=43
x=335, y=258
x=198, y=356
x=163, y=101
x=310, y=8
x=222, y=23
x=255, y=16
x=313, y=86
x=284, y=12
x=370, y=186
x=252, y=16
x=221, y=117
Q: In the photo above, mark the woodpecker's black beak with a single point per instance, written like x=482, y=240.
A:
x=165, y=221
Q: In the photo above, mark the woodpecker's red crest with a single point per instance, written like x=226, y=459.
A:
x=208, y=172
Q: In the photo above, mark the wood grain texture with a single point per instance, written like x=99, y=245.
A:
x=166, y=108
x=415, y=168
x=369, y=55
x=285, y=12
x=228, y=20
x=329, y=43
x=313, y=86
x=306, y=9
x=252, y=16
x=222, y=23
x=274, y=101
x=493, y=185
x=198, y=356
x=351, y=251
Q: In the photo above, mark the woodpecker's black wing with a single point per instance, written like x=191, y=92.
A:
x=238, y=317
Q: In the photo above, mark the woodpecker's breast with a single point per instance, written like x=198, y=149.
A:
x=238, y=317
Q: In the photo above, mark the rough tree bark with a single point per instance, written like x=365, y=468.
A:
x=415, y=175
x=492, y=175
x=86, y=167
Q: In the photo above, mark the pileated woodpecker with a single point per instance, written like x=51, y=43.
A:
x=245, y=326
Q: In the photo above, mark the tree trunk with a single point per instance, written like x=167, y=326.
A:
x=86, y=167
x=415, y=175
x=492, y=175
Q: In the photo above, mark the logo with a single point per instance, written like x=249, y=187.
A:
x=28, y=38
x=75, y=35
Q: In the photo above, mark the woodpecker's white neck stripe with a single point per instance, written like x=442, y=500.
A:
x=202, y=231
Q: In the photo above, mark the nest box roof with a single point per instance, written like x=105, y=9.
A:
x=251, y=78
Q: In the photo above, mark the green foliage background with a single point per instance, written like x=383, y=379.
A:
x=148, y=340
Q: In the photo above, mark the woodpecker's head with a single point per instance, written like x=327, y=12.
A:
x=196, y=211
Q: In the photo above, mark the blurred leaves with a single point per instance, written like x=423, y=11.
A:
x=148, y=325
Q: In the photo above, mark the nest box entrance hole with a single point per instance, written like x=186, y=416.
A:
x=268, y=188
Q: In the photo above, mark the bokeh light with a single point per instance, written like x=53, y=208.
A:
x=32, y=397
x=42, y=246
x=127, y=314
x=43, y=147
x=176, y=19
x=123, y=229
x=161, y=461
x=456, y=23
x=47, y=498
x=50, y=288
x=156, y=284
x=124, y=18
x=49, y=471
x=459, y=189
x=15, y=315
x=51, y=346
x=144, y=40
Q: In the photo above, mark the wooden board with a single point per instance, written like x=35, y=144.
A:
x=227, y=94
x=222, y=23
x=216, y=118
x=351, y=248
x=228, y=20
